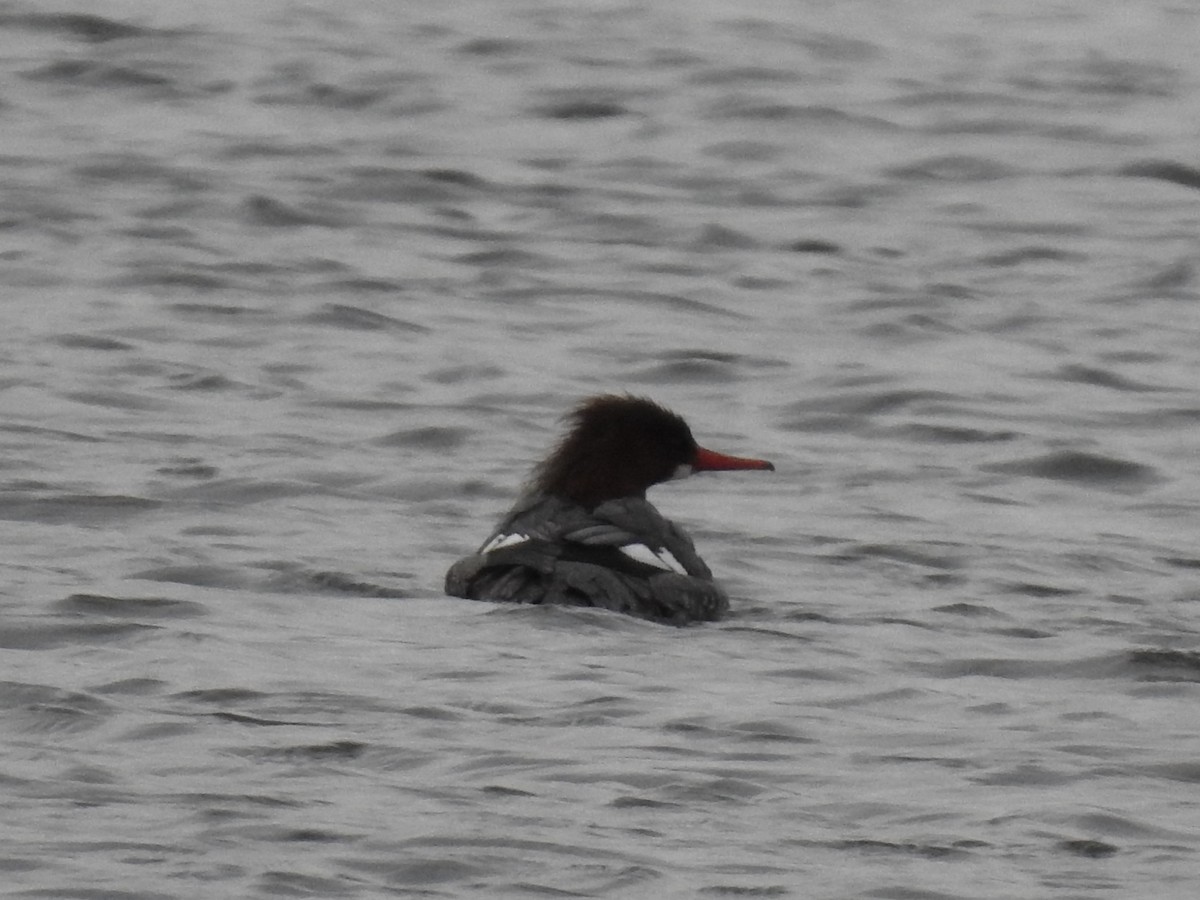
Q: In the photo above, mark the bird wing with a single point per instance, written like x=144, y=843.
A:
x=623, y=555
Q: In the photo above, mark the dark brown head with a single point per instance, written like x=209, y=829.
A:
x=618, y=446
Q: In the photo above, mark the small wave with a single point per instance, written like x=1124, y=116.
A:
x=42, y=709
x=1166, y=665
x=132, y=687
x=1181, y=562
x=79, y=26
x=612, y=299
x=965, y=169
x=220, y=695
x=511, y=257
x=1077, y=467
x=203, y=381
x=969, y=610
x=78, y=509
x=722, y=237
x=1012, y=668
x=1169, y=417
x=91, y=342
x=355, y=318
x=1037, y=590
x=129, y=607
x=927, y=851
x=867, y=402
x=429, y=438
x=50, y=635
x=581, y=108
x=1098, y=73
x=268, y=212
x=693, y=371
x=412, y=874
x=94, y=73
x=334, y=751
x=119, y=400
x=767, y=109
x=570, y=619
x=297, y=84
x=813, y=245
x=897, y=553
x=725, y=76
x=1022, y=255
x=280, y=883
x=346, y=584
x=1103, y=378
x=242, y=491
x=494, y=46
x=1028, y=775
x=178, y=276
x=381, y=184
x=1187, y=771
x=53, y=433
x=951, y=434
x=1174, y=279
x=1091, y=849
x=137, y=168
x=745, y=151
x=362, y=284
x=1143, y=665
x=1164, y=170
x=196, y=575
x=467, y=373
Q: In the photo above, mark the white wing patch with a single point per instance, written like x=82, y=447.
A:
x=660, y=559
x=501, y=541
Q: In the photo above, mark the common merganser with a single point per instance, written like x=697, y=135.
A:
x=583, y=533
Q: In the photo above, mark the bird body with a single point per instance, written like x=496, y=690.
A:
x=583, y=534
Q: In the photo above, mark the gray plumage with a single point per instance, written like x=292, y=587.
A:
x=571, y=556
x=584, y=534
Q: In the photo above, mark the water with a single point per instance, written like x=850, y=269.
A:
x=293, y=295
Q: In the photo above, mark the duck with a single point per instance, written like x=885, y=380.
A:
x=583, y=533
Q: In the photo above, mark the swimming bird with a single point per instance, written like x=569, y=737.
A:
x=583, y=532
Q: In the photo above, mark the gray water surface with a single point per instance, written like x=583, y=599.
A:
x=294, y=293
